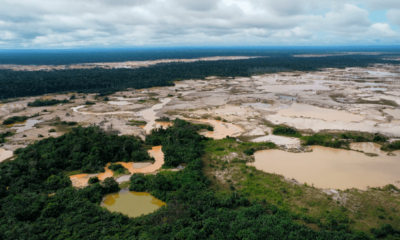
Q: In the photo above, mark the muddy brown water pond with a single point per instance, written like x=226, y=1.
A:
x=333, y=168
x=133, y=204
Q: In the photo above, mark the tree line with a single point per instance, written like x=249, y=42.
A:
x=32, y=83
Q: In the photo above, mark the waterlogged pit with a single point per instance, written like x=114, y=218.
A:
x=329, y=115
x=27, y=125
x=133, y=204
x=333, y=168
x=221, y=129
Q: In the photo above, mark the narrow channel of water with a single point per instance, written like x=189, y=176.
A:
x=81, y=180
x=133, y=204
x=333, y=168
x=150, y=114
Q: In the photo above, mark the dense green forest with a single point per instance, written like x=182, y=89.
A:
x=32, y=83
x=46, y=102
x=193, y=210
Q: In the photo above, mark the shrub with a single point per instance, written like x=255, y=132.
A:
x=15, y=119
x=249, y=152
x=93, y=180
x=286, y=131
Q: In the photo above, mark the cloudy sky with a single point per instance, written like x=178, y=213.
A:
x=128, y=23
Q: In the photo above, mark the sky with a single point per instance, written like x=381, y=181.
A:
x=59, y=24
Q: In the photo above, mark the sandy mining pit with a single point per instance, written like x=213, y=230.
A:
x=351, y=99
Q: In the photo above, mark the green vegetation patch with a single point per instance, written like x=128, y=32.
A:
x=391, y=146
x=286, y=131
x=137, y=123
x=325, y=140
x=15, y=119
x=118, y=169
x=46, y=102
x=89, y=103
x=4, y=135
x=181, y=142
x=163, y=119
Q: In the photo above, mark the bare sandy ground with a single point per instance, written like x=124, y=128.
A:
x=351, y=99
x=108, y=65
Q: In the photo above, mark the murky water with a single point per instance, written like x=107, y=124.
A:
x=309, y=111
x=27, y=125
x=4, y=154
x=119, y=103
x=285, y=88
x=288, y=97
x=81, y=180
x=257, y=105
x=222, y=129
x=163, y=124
x=150, y=114
x=372, y=89
x=75, y=109
x=131, y=203
x=381, y=73
x=333, y=168
x=393, y=112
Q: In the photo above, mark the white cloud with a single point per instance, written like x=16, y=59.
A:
x=72, y=23
x=394, y=16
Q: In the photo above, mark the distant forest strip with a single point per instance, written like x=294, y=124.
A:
x=75, y=56
x=32, y=83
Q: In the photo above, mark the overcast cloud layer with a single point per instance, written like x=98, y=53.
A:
x=118, y=23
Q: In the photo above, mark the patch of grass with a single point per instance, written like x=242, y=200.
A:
x=325, y=140
x=137, y=123
x=286, y=131
x=73, y=172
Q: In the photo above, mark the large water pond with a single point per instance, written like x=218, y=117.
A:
x=133, y=204
x=333, y=168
